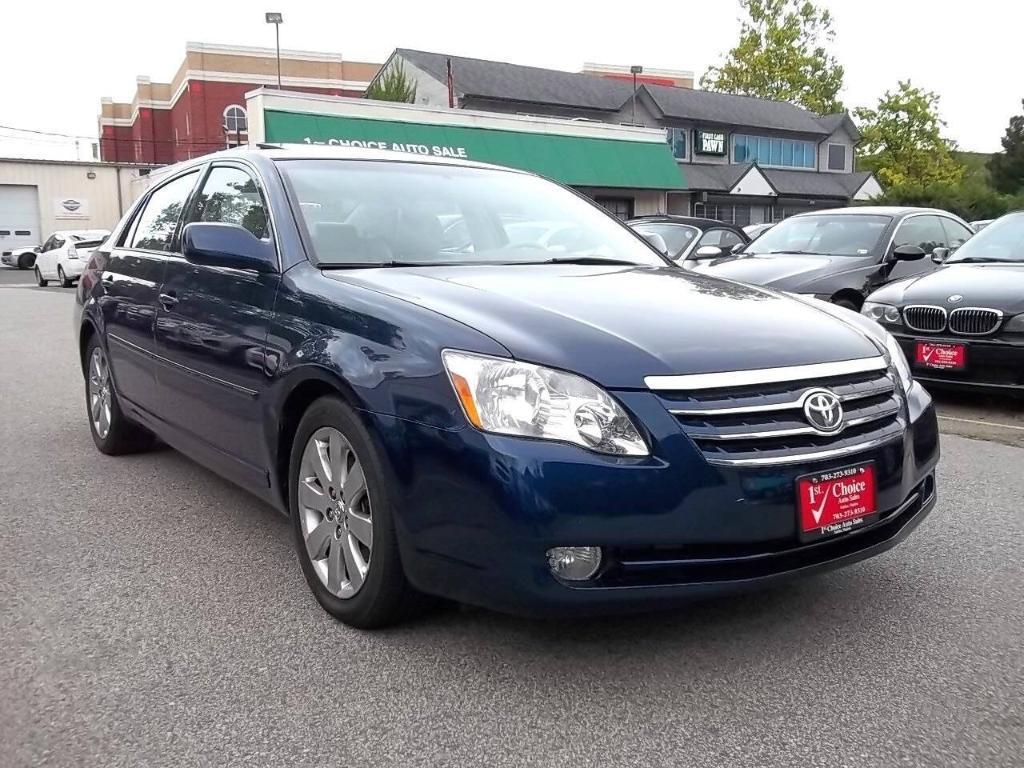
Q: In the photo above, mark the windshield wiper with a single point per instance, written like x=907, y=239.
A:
x=983, y=260
x=595, y=260
x=798, y=253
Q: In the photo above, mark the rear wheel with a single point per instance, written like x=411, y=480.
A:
x=846, y=304
x=64, y=282
x=40, y=280
x=111, y=431
x=343, y=519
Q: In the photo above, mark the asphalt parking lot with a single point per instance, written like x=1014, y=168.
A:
x=154, y=614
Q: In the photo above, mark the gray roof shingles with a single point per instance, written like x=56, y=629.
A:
x=518, y=83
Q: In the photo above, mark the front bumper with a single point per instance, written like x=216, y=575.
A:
x=478, y=512
x=994, y=363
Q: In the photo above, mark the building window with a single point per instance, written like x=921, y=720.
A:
x=622, y=207
x=837, y=157
x=765, y=150
x=235, y=120
x=740, y=215
x=677, y=141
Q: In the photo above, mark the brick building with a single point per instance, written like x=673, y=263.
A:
x=202, y=108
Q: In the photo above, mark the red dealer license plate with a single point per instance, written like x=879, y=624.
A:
x=834, y=502
x=944, y=357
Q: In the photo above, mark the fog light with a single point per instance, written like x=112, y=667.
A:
x=574, y=563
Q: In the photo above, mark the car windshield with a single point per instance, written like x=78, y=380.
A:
x=1001, y=241
x=368, y=213
x=677, y=237
x=823, y=234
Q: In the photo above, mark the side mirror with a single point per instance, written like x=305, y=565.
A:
x=940, y=254
x=226, y=245
x=708, y=252
x=38, y=249
x=908, y=253
x=657, y=241
x=737, y=248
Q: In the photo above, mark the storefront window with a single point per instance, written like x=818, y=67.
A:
x=783, y=153
x=677, y=140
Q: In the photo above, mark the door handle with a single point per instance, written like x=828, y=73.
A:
x=168, y=300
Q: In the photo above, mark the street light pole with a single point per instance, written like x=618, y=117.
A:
x=276, y=19
x=636, y=69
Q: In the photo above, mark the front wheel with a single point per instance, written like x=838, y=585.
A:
x=111, y=431
x=40, y=280
x=25, y=261
x=64, y=281
x=846, y=304
x=343, y=519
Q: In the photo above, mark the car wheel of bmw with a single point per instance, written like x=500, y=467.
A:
x=343, y=519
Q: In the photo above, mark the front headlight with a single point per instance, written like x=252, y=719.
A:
x=1015, y=324
x=898, y=361
x=513, y=398
x=881, y=313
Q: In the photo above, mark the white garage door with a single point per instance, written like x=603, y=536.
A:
x=19, y=217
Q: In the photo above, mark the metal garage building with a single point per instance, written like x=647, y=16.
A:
x=40, y=196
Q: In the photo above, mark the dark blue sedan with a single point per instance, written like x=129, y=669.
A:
x=469, y=382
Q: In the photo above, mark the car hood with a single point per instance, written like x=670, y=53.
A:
x=996, y=286
x=785, y=271
x=618, y=324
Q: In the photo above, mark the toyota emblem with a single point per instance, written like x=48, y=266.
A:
x=823, y=410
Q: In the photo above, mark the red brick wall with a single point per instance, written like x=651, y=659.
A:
x=193, y=126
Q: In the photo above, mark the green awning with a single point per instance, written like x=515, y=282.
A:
x=579, y=161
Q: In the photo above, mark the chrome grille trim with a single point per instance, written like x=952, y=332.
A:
x=804, y=457
x=797, y=431
x=975, y=321
x=731, y=379
x=786, y=406
x=926, y=318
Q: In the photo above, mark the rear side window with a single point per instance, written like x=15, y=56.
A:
x=230, y=196
x=159, y=219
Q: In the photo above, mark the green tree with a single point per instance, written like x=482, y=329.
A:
x=782, y=54
x=902, y=142
x=1007, y=167
x=393, y=85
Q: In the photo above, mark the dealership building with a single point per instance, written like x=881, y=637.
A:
x=742, y=159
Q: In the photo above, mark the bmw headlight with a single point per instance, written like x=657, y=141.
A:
x=1015, y=324
x=513, y=398
x=898, y=361
x=881, y=313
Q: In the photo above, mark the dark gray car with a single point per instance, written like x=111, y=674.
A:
x=844, y=254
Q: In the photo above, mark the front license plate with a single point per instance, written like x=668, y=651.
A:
x=834, y=502
x=942, y=357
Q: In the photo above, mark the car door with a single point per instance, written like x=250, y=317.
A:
x=51, y=256
x=44, y=249
x=211, y=331
x=926, y=232
x=131, y=283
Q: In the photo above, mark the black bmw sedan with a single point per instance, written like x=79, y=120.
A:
x=963, y=325
x=842, y=255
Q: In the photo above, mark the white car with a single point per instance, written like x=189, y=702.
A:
x=21, y=258
x=62, y=257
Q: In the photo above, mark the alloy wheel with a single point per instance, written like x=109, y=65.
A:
x=100, y=393
x=334, y=512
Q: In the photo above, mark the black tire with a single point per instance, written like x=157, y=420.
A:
x=123, y=436
x=26, y=261
x=846, y=304
x=39, y=279
x=64, y=281
x=385, y=596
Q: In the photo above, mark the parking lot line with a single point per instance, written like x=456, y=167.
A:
x=982, y=423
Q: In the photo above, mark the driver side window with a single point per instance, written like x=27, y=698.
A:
x=925, y=232
x=956, y=233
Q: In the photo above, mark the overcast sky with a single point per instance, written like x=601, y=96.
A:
x=58, y=59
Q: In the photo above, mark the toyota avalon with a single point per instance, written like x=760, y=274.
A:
x=540, y=429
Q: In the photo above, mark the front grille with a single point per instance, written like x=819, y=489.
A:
x=925, y=318
x=974, y=321
x=755, y=425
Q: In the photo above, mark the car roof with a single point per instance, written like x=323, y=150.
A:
x=876, y=210
x=668, y=218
